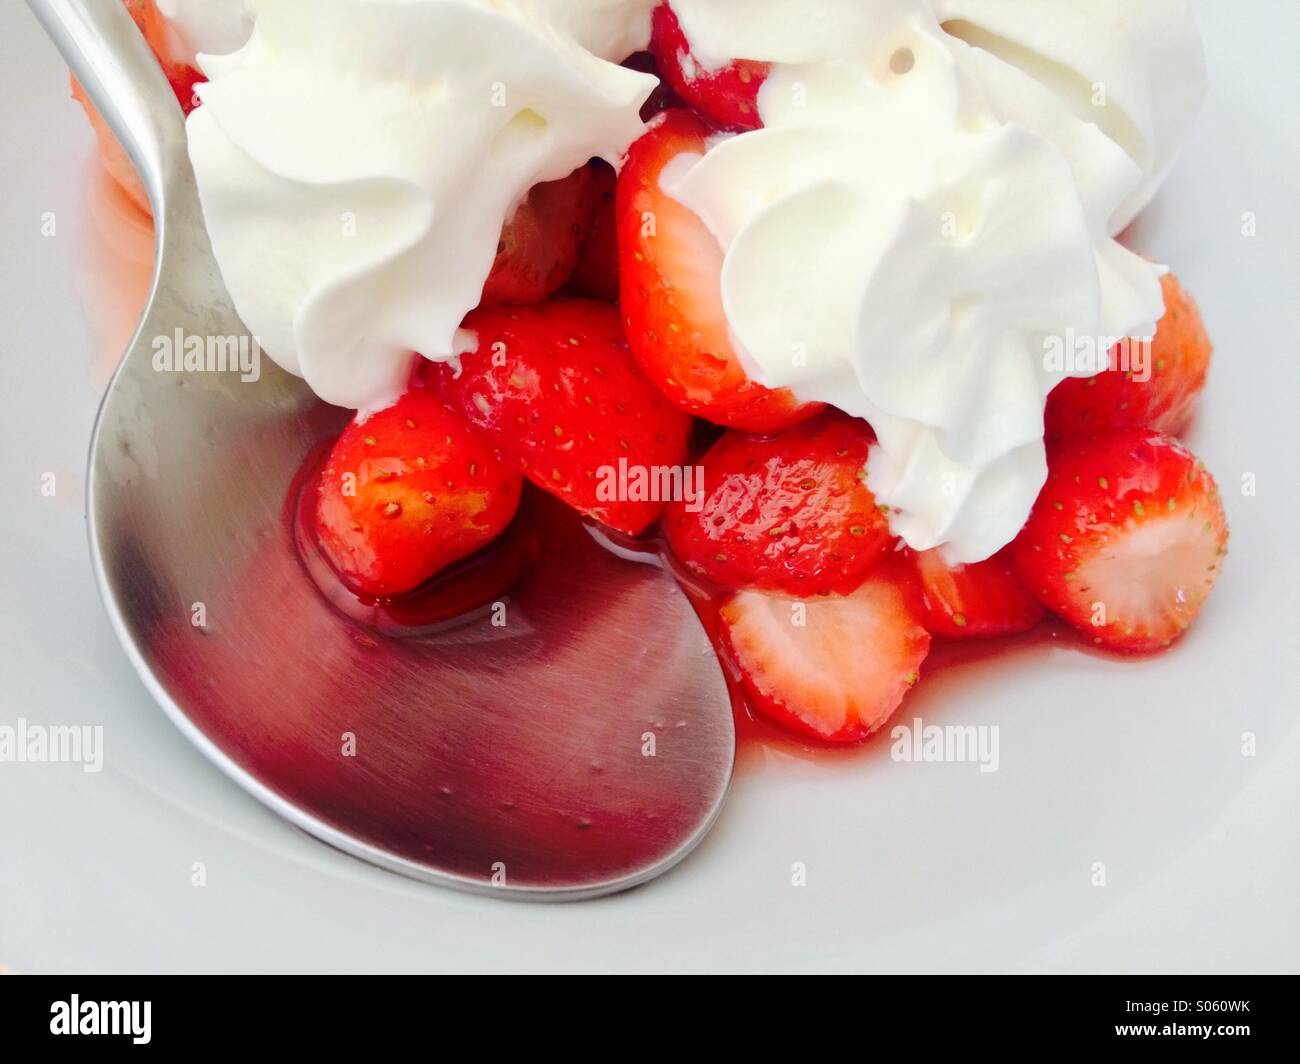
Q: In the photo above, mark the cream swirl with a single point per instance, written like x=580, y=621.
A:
x=209, y=26
x=356, y=160
x=930, y=202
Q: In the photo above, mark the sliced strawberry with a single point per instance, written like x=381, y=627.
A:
x=407, y=492
x=1155, y=389
x=1126, y=540
x=596, y=274
x=556, y=389
x=539, y=244
x=788, y=512
x=670, y=268
x=728, y=95
x=975, y=601
x=833, y=668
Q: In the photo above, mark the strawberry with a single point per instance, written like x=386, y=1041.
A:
x=788, y=512
x=156, y=29
x=408, y=491
x=973, y=601
x=596, y=274
x=554, y=387
x=670, y=268
x=834, y=668
x=1126, y=539
x=539, y=244
x=728, y=96
x=1159, y=395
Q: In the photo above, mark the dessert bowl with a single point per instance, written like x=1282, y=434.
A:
x=911, y=866
x=941, y=618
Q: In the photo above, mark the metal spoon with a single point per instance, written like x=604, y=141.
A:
x=582, y=747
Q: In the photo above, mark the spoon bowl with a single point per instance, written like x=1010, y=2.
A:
x=572, y=738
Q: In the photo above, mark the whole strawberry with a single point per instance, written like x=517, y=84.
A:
x=408, y=491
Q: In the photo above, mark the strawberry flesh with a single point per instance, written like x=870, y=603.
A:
x=979, y=600
x=1126, y=540
x=833, y=669
x=670, y=269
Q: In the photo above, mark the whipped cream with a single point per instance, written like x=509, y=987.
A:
x=930, y=204
x=356, y=160
x=206, y=26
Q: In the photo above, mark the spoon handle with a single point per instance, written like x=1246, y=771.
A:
x=119, y=72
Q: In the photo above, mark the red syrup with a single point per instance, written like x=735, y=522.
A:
x=946, y=655
x=457, y=595
x=463, y=593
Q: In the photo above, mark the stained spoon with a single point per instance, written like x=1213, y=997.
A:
x=572, y=739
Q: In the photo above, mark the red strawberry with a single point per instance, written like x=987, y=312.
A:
x=973, y=601
x=407, y=492
x=157, y=31
x=539, y=244
x=833, y=668
x=1126, y=540
x=788, y=512
x=729, y=95
x=596, y=274
x=1160, y=395
x=670, y=268
x=555, y=388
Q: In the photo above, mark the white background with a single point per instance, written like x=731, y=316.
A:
x=910, y=867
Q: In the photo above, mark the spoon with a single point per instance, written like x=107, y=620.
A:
x=573, y=740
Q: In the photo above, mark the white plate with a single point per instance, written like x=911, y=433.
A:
x=909, y=866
